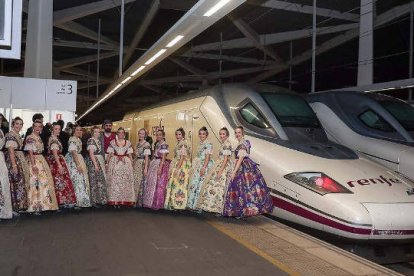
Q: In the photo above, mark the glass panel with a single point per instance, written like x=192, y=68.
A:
x=291, y=110
x=404, y=113
x=374, y=121
x=252, y=116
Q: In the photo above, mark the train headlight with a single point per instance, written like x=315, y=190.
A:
x=317, y=182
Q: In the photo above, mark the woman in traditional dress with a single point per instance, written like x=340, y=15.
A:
x=121, y=189
x=141, y=163
x=214, y=187
x=157, y=180
x=96, y=169
x=177, y=193
x=247, y=194
x=18, y=168
x=77, y=169
x=6, y=210
x=201, y=166
x=41, y=191
x=65, y=192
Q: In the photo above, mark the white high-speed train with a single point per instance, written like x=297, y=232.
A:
x=314, y=182
x=378, y=126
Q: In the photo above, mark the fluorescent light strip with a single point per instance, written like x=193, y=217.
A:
x=125, y=80
x=174, y=41
x=216, y=7
x=138, y=70
x=160, y=52
x=116, y=87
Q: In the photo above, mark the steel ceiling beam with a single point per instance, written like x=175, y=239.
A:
x=70, y=14
x=81, y=30
x=274, y=38
x=71, y=62
x=254, y=38
x=81, y=72
x=306, y=9
x=190, y=68
x=235, y=59
x=86, y=45
x=380, y=20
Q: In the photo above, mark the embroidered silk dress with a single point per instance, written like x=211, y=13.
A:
x=80, y=180
x=213, y=190
x=247, y=194
x=204, y=149
x=121, y=189
x=41, y=190
x=142, y=150
x=155, y=185
x=6, y=210
x=64, y=190
x=19, y=181
x=177, y=188
x=97, y=179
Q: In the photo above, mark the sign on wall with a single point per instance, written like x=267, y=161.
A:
x=61, y=95
x=38, y=94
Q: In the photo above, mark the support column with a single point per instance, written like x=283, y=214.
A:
x=39, y=41
x=366, y=43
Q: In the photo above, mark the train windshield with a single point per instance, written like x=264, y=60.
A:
x=291, y=110
x=404, y=113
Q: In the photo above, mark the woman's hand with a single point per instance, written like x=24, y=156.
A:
x=159, y=171
x=218, y=176
x=202, y=171
x=233, y=175
x=96, y=168
x=175, y=173
x=80, y=170
x=145, y=173
x=61, y=171
x=15, y=171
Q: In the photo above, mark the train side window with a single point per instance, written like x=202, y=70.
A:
x=372, y=120
x=251, y=115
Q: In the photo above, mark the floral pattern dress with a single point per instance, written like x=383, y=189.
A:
x=41, y=191
x=97, y=179
x=247, y=194
x=213, y=189
x=19, y=181
x=177, y=193
x=80, y=180
x=205, y=149
x=155, y=185
x=6, y=210
x=64, y=190
x=142, y=150
x=121, y=189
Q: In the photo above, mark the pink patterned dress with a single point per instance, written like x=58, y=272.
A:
x=155, y=186
x=120, y=175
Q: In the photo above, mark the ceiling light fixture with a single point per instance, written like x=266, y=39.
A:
x=116, y=87
x=216, y=7
x=154, y=57
x=138, y=70
x=174, y=41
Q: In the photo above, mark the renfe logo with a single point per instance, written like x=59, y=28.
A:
x=380, y=180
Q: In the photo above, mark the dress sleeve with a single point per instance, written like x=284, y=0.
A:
x=72, y=146
x=30, y=144
x=243, y=151
x=91, y=145
x=183, y=149
x=110, y=149
x=209, y=148
x=147, y=149
x=226, y=149
x=11, y=143
x=164, y=149
x=130, y=150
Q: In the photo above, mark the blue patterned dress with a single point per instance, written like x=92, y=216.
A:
x=204, y=149
x=247, y=194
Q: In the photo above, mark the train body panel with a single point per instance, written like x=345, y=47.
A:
x=292, y=158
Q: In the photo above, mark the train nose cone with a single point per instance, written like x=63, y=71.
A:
x=391, y=220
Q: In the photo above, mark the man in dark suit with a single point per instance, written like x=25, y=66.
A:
x=63, y=137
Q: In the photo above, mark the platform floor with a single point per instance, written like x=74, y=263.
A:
x=141, y=242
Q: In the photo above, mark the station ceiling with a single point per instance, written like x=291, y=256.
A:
x=284, y=28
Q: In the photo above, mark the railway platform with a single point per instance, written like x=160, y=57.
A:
x=140, y=242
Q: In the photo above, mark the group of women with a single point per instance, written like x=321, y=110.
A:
x=121, y=176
